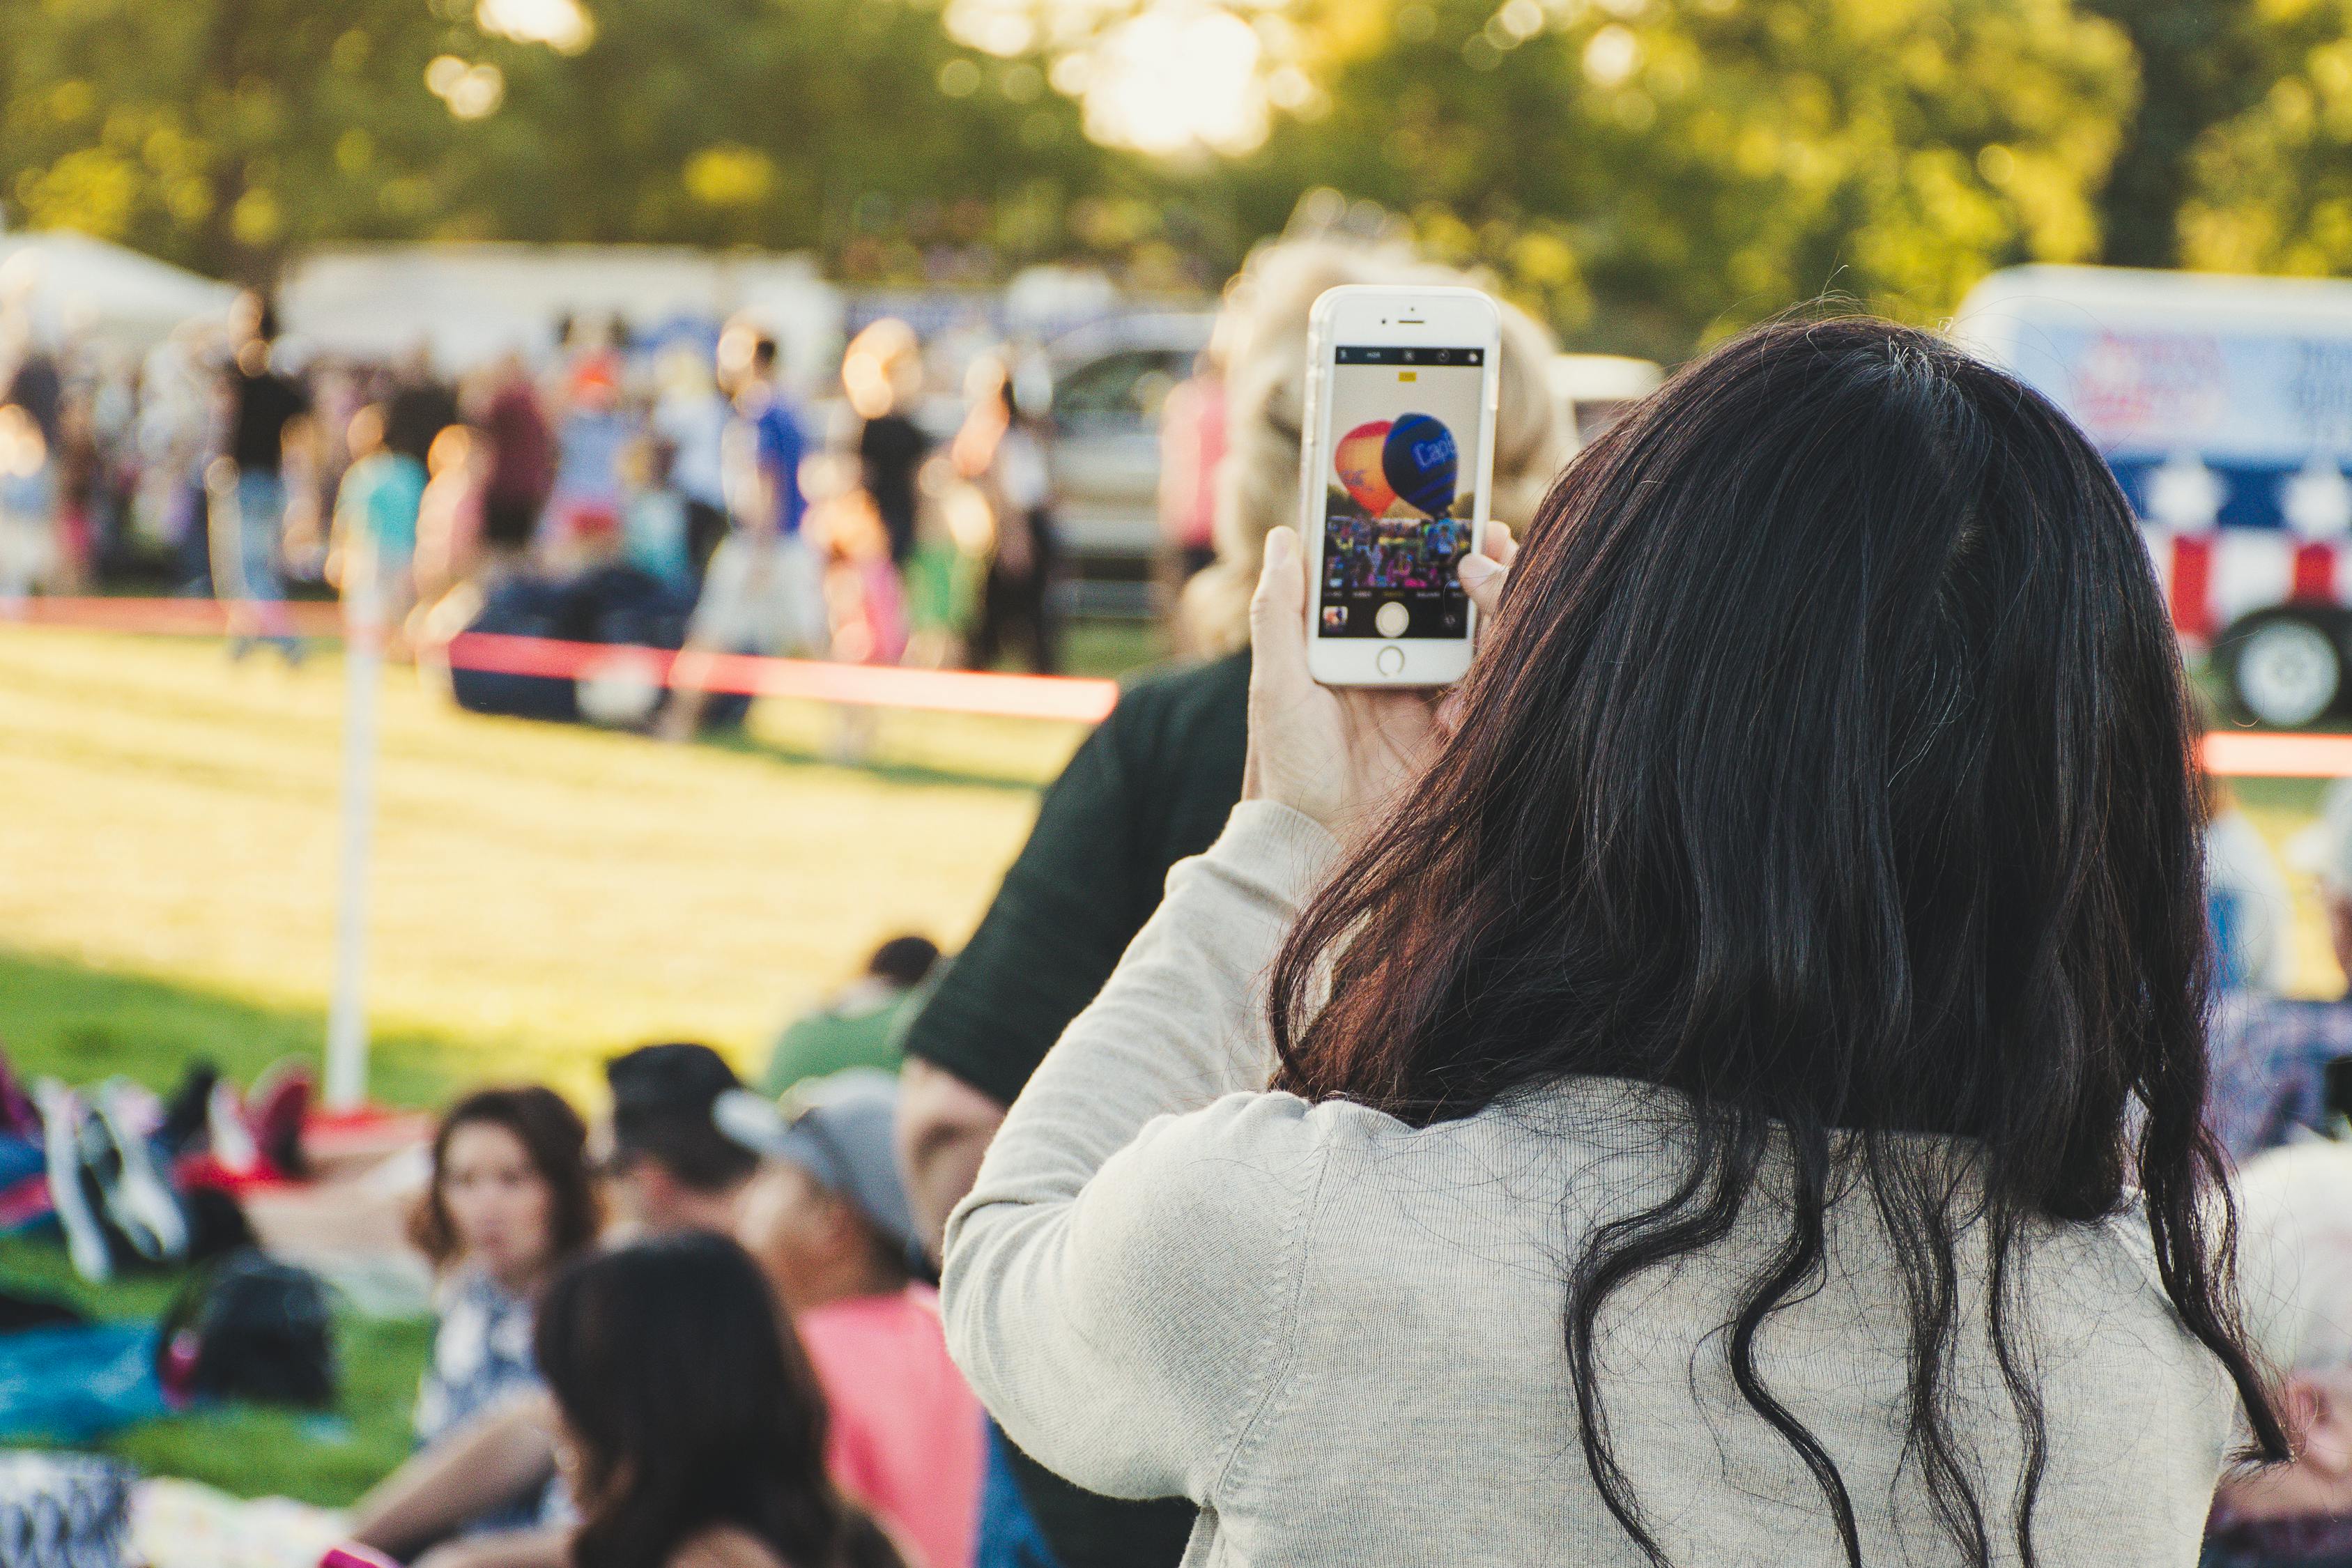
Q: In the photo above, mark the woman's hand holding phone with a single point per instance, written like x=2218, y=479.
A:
x=1338, y=753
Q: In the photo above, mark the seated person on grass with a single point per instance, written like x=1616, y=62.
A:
x=671, y=1170
x=2294, y=1220
x=859, y=1025
x=827, y=1220
x=510, y=1203
x=669, y=1167
x=692, y=1430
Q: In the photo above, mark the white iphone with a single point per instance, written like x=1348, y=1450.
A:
x=1399, y=448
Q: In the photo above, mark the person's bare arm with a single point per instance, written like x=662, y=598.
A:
x=483, y=1465
x=944, y=1126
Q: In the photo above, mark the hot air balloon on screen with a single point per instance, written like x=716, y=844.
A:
x=1358, y=457
x=1421, y=463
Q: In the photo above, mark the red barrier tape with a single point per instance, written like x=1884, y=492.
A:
x=172, y=617
x=881, y=685
x=2245, y=754
x=872, y=686
x=2227, y=753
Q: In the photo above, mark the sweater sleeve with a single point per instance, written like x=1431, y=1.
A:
x=1118, y=1283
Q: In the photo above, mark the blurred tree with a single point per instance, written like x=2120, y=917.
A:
x=2202, y=62
x=1650, y=175
x=224, y=133
x=215, y=131
x=1645, y=173
x=2272, y=187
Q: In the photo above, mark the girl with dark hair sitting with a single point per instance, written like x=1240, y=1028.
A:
x=691, y=1427
x=1730, y=1087
x=511, y=1200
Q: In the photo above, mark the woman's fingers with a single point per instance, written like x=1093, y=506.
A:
x=1278, y=613
x=1497, y=544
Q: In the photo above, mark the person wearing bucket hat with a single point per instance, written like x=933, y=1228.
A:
x=832, y=1141
x=826, y=1219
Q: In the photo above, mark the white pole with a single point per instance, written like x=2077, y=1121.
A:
x=347, y=1031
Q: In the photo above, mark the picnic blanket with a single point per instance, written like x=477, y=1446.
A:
x=182, y=1524
x=78, y=1381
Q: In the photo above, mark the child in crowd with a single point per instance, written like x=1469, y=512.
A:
x=863, y=598
x=376, y=521
x=27, y=503
x=691, y=1428
x=510, y=1202
x=450, y=513
x=826, y=1219
x=653, y=516
x=955, y=533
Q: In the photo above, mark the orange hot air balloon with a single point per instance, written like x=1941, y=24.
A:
x=1357, y=458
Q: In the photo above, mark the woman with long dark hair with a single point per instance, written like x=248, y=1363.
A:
x=692, y=1427
x=1735, y=1068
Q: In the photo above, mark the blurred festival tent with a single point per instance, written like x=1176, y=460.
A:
x=472, y=302
x=72, y=285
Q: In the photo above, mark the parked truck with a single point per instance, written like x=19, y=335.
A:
x=2224, y=406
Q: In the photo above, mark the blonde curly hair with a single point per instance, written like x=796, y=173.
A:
x=1261, y=336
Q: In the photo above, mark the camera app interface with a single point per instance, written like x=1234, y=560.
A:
x=1398, y=496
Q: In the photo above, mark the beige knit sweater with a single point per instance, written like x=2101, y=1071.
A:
x=1342, y=1336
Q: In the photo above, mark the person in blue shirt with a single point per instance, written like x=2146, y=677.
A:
x=764, y=590
x=778, y=444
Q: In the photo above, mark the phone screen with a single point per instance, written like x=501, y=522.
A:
x=1398, y=494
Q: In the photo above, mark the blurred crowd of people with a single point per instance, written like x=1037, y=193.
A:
x=879, y=522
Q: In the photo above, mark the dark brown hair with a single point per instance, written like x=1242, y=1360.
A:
x=1829, y=766
x=693, y=1405
x=556, y=1142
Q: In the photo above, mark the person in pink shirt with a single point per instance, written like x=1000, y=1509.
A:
x=826, y=1219
x=1191, y=450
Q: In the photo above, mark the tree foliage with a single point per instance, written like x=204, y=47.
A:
x=2270, y=189
x=225, y=132
x=1644, y=172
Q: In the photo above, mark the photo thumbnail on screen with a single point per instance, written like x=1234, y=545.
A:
x=1398, y=501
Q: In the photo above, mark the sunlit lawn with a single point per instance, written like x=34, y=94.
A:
x=542, y=895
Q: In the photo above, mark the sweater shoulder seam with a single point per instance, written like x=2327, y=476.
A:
x=1277, y=1346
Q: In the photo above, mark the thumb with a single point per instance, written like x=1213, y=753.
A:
x=1482, y=579
x=1278, y=611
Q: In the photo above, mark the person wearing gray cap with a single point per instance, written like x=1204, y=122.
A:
x=826, y=1219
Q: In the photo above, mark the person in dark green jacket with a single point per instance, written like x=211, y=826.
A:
x=859, y=1026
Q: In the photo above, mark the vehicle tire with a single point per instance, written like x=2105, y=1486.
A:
x=2284, y=670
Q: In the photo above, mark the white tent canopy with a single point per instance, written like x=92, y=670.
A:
x=471, y=302
x=64, y=283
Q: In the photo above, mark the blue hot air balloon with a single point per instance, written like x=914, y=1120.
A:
x=1420, y=462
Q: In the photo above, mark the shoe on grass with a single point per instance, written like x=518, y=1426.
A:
x=62, y=1123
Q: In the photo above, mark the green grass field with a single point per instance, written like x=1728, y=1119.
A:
x=543, y=896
